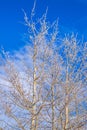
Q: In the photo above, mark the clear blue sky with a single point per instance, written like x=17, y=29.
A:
x=72, y=16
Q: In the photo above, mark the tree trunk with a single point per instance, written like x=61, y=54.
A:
x=53, y=108
x=34, y=116
x=66, y=99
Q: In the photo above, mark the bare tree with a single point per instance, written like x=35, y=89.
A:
x=44, y=85
x=74, y=80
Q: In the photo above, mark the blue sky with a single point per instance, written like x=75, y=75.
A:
x=72, y=15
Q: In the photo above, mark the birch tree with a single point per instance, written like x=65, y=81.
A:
x=74, y=80
x=44, y=85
